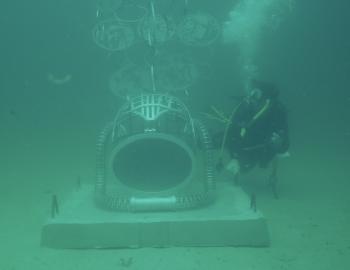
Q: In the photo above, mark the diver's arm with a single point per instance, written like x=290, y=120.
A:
x=280, y=136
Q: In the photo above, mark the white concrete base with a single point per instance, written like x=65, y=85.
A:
x=227, y=222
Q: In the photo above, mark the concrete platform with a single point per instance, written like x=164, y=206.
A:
x=228, y=222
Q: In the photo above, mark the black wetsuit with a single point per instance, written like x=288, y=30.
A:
x=249, y=140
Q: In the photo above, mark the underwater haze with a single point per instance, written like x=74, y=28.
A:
x=64, y=76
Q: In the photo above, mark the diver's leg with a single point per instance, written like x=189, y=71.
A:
x=236, y=179
x=273, y=179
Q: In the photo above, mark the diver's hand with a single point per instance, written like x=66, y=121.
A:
x=233, y=166
x=276, y=140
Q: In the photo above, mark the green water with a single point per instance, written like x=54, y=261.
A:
x=49, y=127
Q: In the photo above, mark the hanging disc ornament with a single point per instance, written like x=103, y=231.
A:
x=157, y=29
x=199, y=29
x=175, y=72
x=113, y=35
x=131, y=13
x=130, y=80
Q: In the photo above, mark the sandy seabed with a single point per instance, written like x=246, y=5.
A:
x=309, y=224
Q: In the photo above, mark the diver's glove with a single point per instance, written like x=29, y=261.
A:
x=233, y=167
x=276, y=141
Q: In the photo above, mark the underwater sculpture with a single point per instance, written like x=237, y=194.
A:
x=154, y=156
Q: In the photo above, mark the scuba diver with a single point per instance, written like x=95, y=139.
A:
x=257, y=129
